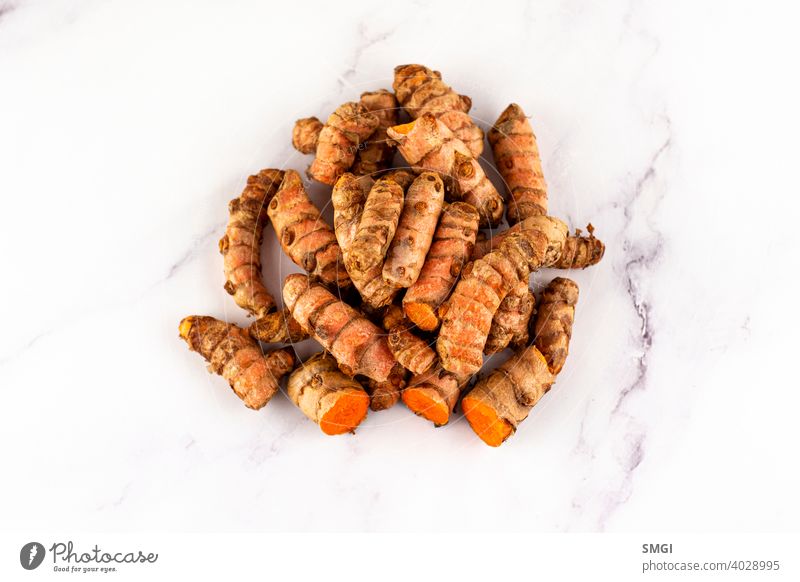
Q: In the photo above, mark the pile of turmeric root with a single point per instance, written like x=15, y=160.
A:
x=406, y=292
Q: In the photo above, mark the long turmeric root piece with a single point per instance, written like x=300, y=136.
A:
x=553, y=326
x=433, y=394
x=467, y=315
x=516, y=156
x=510, y=321
x=499, y=402
x=304, y=235
x=336, y=402
x=376, y=154
x=414, y=235
x=235, y=356
x=241, y=245
x=346, y=128
x=421, y=90
x=450, y=251
x=411, y=351
x=358, y=345
x=384, y=395
x=427, y=144
x=278, y=327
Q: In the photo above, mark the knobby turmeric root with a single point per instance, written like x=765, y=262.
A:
x=345, y=130
x=305, y=134
x=450, y=251
x=336, y=402
x=510, y=322
x=553, y=326
x=516, y=156
x=384, y=395
x=433, y=394
x=358, y=345
x=348, y=198
x=304, y=235
x=421, y=90
x=278, y=327
x=414, y=235
x=376, y=154
x=411, y=351
x=467, y=315
x=241, y=245
x=235, y=356
x=427, y=144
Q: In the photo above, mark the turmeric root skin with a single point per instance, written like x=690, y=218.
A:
x=433, y=395
x=553, y=326
x=376, y=154
x=305, y=134
x=384, y=395
x=346, y=128
x=411, y=351
x=277, y=327
x=510, y=322
x=241, y=245
x=235, y=356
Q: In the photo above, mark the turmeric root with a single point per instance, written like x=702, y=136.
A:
x=241, y=245
x=421, y=90
x=304, y=235
x=348, y=198
x=502, y=400
x=510, y=322
x=336, y=402
x=377, y=227
x=346, y=129
x=376, y=154
x=450, y=251
x=411, y=351
x=516, y=156
x=433, y=394
x=235, y=356
x=467, y=315
x=553, y=326
x=414, y=234
x=358, y=345
x=427, y=144
x=384, y=395
x=277, y=327
x=305, y=134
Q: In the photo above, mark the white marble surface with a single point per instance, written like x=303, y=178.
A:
x=125, y=127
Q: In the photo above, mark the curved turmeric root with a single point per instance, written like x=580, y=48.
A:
x=346, y=128
x=427, y=144
x=468, y=314
x=376, y=154
x=452, y=246
x=304, y=235
x=358, y=345
x=510, y=322
x=241, y=245
x=433, y=394
x=553, y=326
x=516, y=156
x=336, y=402
x=235, y=356
x=384, y=395
x=278, y=327
x=421, y=90
x=412, y=352
x=305, y=134
x=414, y=235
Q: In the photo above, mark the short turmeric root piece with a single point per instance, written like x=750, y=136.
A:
x=427, y=144
x=304, y=235
x=510, y=322
x=376, y=154
x=336, y=402
x=345, y=130
x=305, y=134
x=384, y=395
x=241, y=245
x=414, y=235
x=450, y=251
x=278, y=327
x=411, y=351
x=433, y=394
x=421, y=90
x=499, y=402
x=235, y=356
x=377, y=227
x=467, y=315
x=358, y=345
x=553, y=326
x=348, y=198
x=516, y=156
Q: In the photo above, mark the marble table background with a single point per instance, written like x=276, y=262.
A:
x=125, y=127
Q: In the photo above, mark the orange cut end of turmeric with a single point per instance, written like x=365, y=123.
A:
x=404, y=129
x=345, y=413
x=427, y=403
x=423, y=315
x=185, y=327
x=484, y=420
